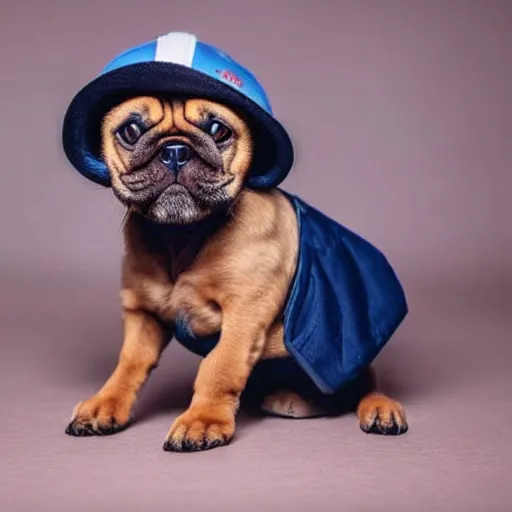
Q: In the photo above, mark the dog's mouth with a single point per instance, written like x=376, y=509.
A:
x=143, y=186
x=171, y=196
x=178, y=188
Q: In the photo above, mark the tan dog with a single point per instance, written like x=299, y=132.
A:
x=229, y=271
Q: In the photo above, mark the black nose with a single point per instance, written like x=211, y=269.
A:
x=175, y=155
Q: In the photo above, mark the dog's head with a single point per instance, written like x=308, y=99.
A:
x=176, y=161
x=177, y=128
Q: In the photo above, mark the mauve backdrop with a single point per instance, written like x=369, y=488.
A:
x=401, y=116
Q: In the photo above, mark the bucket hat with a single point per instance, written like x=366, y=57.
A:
x=176, y=63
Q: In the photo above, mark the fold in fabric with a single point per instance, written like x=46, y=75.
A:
x=345, y=303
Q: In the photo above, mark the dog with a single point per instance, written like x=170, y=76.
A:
x=219, y=257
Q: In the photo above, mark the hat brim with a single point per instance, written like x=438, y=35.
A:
x=81, y=136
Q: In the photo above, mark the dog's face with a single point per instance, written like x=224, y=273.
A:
x=175, y=161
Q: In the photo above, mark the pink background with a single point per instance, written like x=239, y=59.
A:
x=401, y=115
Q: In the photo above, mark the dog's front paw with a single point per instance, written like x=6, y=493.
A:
x=379, y=414
x=99, y=416
x=201, y=429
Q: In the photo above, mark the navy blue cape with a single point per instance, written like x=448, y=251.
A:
x=344, y=305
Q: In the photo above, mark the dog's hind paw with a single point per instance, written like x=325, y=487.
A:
x=290, y=405
x=379, y=414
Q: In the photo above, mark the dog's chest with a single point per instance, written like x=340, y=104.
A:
x=185, y=304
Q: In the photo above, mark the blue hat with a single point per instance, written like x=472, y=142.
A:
x=176, y=63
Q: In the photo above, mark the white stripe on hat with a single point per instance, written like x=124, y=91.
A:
x=176, y=47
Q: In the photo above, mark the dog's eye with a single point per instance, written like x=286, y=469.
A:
x=130, y=132
x=219, y=132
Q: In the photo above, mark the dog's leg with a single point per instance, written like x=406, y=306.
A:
x=109, y=410
x=285, y=402
x=300, y=398
x=222, y=376
x=379, y=414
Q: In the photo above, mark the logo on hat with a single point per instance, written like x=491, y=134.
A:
x=230, y=77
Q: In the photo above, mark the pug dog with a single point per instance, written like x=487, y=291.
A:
x=234, y=271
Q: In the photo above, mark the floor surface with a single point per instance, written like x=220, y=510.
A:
x=448, y=365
